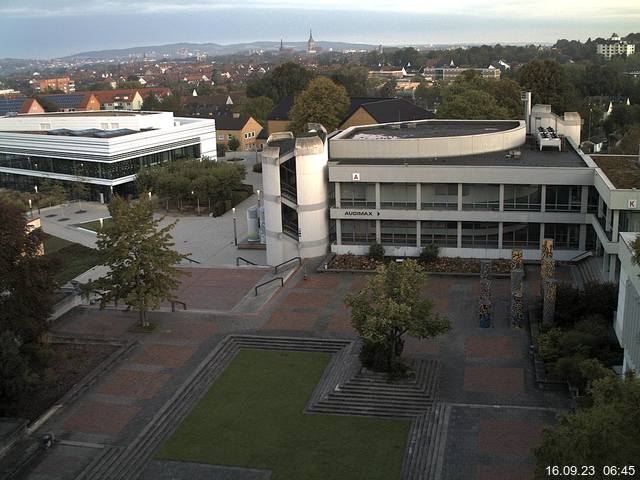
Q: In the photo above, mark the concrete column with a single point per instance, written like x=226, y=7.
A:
x=600, y=205
x=615, y=226
x=338, y=231
x=500, y=229
x=613, y=260
x=459, y=234
x=582, y=239
x=543, y=198
x=541, y=235
x=605, y=263
x=501, y=207
x=378, y=232
x=337, y=194
x=418, y=239
x=584, y=199
x=418, y=197
x=459, y=197
x=378, y=197
x=608, y=220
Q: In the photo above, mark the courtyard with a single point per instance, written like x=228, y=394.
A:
x=249, y=417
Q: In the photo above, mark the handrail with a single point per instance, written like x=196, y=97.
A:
x=268, y=282
x=581, y=256
x=192, y=260
x=244, y=260
x=173, y=305
x=275, y=270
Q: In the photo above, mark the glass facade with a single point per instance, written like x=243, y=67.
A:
x=290, y=221
x=358, y=232
x=442, y=234
x=88, y=168
x=398, y=232
x=521, y=235
x=358, y=195
x=480, y=197
x=400, y=196
x=479, y=235
x=592, y=201
x=288, y=182
x=563, y=198
x=565, y=236
x=522, y=197
x=439, y=196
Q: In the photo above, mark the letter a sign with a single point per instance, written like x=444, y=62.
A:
x=355, y=177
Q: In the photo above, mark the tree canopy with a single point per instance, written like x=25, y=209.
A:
x=605, y=434
x=258, y=108
x=548, y=83
x=391, y=305
x=140, y=257
x=353, y=78
x=286, y=80
x=321, y=102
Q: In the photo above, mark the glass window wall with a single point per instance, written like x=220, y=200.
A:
x=563, y=198
x=358, y=232
x=398, y=232
x=439, y=196
x=479, y=235
x=400, y=196
x=521, y=235
x=357, y=195
x=565, y=236
x=522, y=197
x=480, y=197
x=442, y=234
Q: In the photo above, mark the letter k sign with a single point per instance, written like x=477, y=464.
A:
x=632, y=204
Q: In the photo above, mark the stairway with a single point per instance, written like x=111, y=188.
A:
x=588, y=270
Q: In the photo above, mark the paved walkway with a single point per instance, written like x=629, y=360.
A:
x=497, y=413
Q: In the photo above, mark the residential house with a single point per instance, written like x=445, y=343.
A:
x=245, y=129
x=72, y=102
x=19, y=105
x=122, y=99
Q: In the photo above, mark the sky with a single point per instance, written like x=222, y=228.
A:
x=53, y=28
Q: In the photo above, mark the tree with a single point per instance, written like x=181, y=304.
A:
x=605, y=434
x=548, y=84
x=140, y=258
x=221, y=149
x=470, y=104
x=286, y=80
x=258, y=108
x=428, y=97
x=26, y=278
x=353, y=78
x=151, y=103
x=233, y=143
x=388, y=90
x=16, y=377
x=322, y=102
x=391, y=305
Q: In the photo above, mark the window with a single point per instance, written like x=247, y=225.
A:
x=229, y=137
x=592, y=202
x=439, y=196
x=358, y=195
x=480, y=197
x=358, y=232
x=563, y=198
x=398, y=195
x=522, y=197
x=479, y=235
x=521, y=235
x=442, y=234
x=221, y=136
x=290, y=222
x=565, y=236
x=398, y=232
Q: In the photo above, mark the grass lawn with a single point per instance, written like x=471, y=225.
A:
x=73, y=259
x=94, y=225
x=253, y=416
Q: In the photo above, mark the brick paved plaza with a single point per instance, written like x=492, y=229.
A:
x=497, y=413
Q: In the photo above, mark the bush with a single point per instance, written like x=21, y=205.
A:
x=430, y=253
x=375, y=356
x=376, y=252
x=257, y=167
x=573, y=304
x=221, y=149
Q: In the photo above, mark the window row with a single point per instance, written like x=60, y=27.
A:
x=445, y=234
x=444, y=196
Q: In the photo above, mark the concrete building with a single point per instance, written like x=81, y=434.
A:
x=104, y=149
x=615, y=46
x=446, y=74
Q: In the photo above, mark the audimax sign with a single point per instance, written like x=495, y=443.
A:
x=362, y=213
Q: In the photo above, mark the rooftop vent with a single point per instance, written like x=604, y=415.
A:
x=411, y=125
x=514, y=154
x=395, y=126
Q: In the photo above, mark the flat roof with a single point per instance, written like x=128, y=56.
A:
x=90, y=113
x=429, y=129
x=622, y=170
x=530, y=156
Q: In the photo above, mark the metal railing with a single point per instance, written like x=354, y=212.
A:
x=249, y=262
x=173, y=305
x=255, y=289
x=192, y=260
x=275, y=270
x=581, y=256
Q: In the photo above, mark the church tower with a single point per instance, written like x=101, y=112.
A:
x=311, y=44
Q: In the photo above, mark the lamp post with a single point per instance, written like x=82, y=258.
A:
x=101, y=223
x=235, y=230
x=590, y=111
x=111, y=188
x=197, y=203
x=37, y=198
x=31, y=208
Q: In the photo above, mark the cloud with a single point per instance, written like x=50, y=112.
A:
x=543, y=9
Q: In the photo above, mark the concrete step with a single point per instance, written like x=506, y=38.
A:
x=366, y=412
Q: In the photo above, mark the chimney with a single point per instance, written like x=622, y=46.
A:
x=236, y=115
x=526, y=99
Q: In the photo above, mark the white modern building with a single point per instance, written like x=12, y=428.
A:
x=615, y=46
x=104, y=149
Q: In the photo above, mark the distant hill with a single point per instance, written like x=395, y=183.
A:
x=212, y=49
